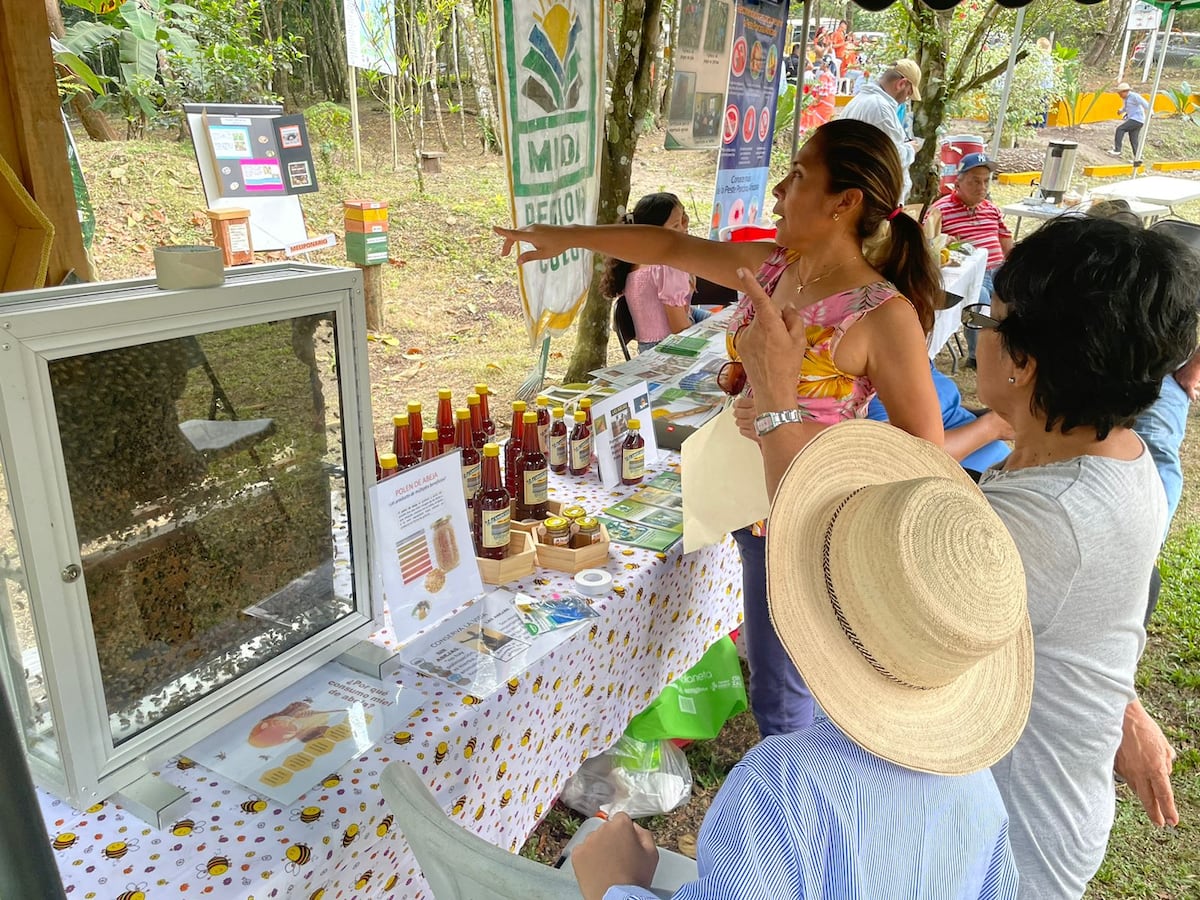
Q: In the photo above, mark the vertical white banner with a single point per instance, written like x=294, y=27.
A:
x=371, y=35
x=551, y=73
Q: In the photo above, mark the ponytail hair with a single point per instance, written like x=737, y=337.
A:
x=653, y=209
x=860, y=156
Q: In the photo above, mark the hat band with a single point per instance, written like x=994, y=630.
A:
x=837, y=606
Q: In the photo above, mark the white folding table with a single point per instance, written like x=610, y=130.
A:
x=1158, y=189
x=1043, y=211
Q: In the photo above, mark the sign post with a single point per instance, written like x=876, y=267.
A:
x=370, y=44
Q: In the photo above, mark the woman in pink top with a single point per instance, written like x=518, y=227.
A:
x=659, y=297
x=850, y=286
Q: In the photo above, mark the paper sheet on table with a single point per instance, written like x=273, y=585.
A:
x=724, y=487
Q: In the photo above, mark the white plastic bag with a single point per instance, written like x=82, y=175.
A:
x=640, y=778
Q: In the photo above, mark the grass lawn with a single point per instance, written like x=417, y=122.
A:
x=452, y=308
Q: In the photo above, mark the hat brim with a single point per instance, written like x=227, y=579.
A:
x=952, y=730
x=916, y=90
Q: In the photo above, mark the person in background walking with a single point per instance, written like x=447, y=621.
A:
x=1133, y=111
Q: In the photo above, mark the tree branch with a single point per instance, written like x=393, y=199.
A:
x=994, y=72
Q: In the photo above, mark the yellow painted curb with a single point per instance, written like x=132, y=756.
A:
x=1181, y=166
x=1018, y=177
x=1111, y=171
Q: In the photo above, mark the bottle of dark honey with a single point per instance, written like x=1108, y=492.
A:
x=579, y=445
x=445, y=420
x=414, y=424
x=558, y=442
x=485, y=409
x=633, y=454
x=471, y=461
x=479, y=437
x=534, y=474
x=401, y=443
x=431, y=448
x=512, y=450
x=491, y=514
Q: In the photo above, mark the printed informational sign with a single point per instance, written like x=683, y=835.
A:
x=551, y=77
x=704, y=35
x=1143, y=17
x=423, y=543
x=755, y=67
x=609, y=417
x=371, y=35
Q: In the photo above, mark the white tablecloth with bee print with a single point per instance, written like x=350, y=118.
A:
x=495, y=763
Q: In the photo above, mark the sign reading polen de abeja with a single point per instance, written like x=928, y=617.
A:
x=552, y=111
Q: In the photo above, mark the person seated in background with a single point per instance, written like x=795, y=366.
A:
x=968, y=214
x=659, y=297
x=1086, y=319
x=923, y=683
x=793, y=64
x=975, y=440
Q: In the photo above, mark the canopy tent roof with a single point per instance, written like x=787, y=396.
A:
x=878, y=5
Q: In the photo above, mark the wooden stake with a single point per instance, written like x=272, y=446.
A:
x=373, y=295
x=354, y=120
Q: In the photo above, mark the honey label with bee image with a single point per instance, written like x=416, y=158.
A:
x=289, y=744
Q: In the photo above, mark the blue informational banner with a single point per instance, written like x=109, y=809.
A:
x=755, y=67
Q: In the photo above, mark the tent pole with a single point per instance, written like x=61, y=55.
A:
x=1124, y=55
x=1145, y=133
x=1008, y=79
x=800, y=78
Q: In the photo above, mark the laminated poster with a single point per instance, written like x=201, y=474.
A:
x=480, y=647
x=423, y=544
x=609, y=416
x=286, y=746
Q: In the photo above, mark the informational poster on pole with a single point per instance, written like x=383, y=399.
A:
x=284, y=747
x=551, y=80
x=1143, y=17
x=748, y=125
x=371, y=35
x=703, y=37
x=423, y=544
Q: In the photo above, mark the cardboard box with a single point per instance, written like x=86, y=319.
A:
x=26, y=235
x=521, y=560
x=565, y=559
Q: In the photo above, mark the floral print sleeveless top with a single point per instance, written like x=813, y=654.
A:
x=824, y=393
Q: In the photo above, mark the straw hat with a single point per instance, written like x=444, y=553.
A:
x=1122, y=87
x=930, y=663
x=912, y=72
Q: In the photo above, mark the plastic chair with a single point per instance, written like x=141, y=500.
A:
x=1186, y=232
x=622, y=323
x=458, y=864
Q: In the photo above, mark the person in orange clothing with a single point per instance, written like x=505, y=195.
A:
x=837, y=44
x=826, y=93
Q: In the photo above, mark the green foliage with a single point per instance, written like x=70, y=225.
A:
x=1181, y=99
x=329, y=128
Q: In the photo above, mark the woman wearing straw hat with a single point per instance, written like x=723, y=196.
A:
x=923, y=665
x=1087, y=318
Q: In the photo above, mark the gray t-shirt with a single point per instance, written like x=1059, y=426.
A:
x=1088, y=530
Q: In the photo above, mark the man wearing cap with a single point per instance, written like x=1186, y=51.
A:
x=1133, y=111
x=879, y=104
x=968, y=215
x=924, y=682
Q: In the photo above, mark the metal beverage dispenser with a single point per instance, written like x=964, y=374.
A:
x=1057, y=170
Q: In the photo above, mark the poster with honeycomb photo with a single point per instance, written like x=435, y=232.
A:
x=423, y=544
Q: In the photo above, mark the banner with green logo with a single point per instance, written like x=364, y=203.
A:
x=551, y=73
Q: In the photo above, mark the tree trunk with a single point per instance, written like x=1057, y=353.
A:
x=481, y=77
x=458, y=87
x=929, y=114
x=94, y=121
x=1106, y=44
x=631, y=98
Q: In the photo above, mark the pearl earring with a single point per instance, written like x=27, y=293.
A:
x=836, y=216
x=1012, y=380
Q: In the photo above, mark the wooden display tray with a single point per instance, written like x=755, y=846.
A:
x=565, y=559
x=554, y=507
x=521, y=560
x=25, y=235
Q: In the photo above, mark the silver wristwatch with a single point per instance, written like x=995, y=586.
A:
x=768, y=422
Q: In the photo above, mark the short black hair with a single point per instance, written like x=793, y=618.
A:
x=1106, y=311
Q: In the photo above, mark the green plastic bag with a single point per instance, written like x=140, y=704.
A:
x=698, y=703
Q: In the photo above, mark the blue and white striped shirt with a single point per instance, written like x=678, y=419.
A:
x=813, y=815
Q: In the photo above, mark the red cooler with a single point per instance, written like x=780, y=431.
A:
x=954, y=148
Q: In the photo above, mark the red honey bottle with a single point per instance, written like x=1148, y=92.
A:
x=512, y=450
x=471, y=461
x=488, y=425
x=431, y=448
x=579, y=445
x=414, y=424
x=387, y=465
x=558, y=442
x=378, y=467
x=633, y=454
x=492, y=518
x=534, y=474
x=543, y=424
x=445, y=420
x=401, y=444
x=475, y=405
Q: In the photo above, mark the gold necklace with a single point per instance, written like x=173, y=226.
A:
x=801, y=285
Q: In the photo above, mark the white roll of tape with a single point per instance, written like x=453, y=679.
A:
x=184, y=267
x=593, y=582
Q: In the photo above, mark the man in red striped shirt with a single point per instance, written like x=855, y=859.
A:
x=968, y=215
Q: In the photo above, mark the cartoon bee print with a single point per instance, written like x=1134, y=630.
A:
x=307, y=815
x=331, y=781
x=537, y=811
x=593, y=631
x=513, y=684
x=317, y=894
x=385, y=825
x=619, y=590
x=541, y=582
x=578, y=678
x=439, y=753
x=117, y=849
x=557, y=683
x=526, y=736
x=479, y=813
x=254, y=805
x=558, y=707
x=95, y=808
x=501, y=770
x=469, y=700
x=391, y=882
x=496, y=742
x=506, y=798
x=297, y=855
x=133, y=892
x=183, y=764
x=215, y=867
x=587, y=691
x=628, y=551
x=349, y=835
x=469, y=749
x=537, y=684
x=459, y=805
x=612, y=635
x=400, y=738
x=364, y=879
x=184, y=827
x=65, y=840
x=583, y=732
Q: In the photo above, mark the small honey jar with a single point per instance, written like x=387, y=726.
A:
x=558, y=531
x=573, y=513
x=587, y=532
